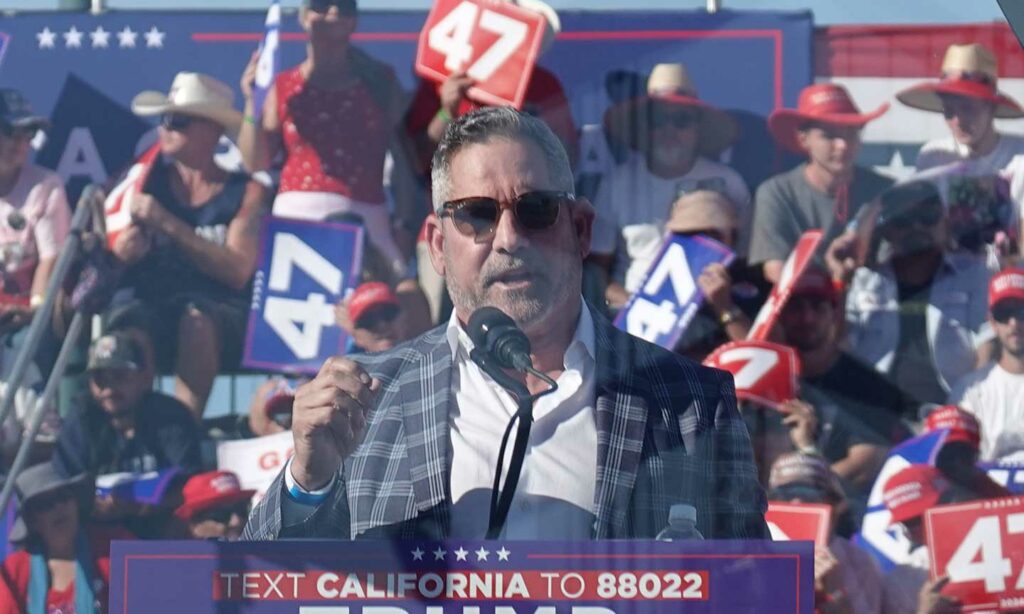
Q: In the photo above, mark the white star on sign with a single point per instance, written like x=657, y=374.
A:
x=46, y=38
x=503, y=554
x=126, y=37
x=460, y=554
x=73, y=38
x=481, y=554
x=439, y=554
x=100, y=37
x=417, y=554
x=154, y=38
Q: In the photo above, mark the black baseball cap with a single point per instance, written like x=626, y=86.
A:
x=16, y=112
x=910, y=200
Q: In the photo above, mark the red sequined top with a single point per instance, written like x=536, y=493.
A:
x=335, y=140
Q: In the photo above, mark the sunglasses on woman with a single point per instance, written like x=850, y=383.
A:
x=477, y=216
x=176, y=121
x=48, y=500
x=17, y=132
x=345, y=7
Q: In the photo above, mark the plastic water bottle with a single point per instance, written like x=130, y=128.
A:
x=682, y=524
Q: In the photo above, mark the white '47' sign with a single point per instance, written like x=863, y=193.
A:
x=305, y=268
x=494, y=43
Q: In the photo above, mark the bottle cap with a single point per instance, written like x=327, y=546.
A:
x=682, y=512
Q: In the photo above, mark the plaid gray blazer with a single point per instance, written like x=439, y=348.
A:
x=668, y=432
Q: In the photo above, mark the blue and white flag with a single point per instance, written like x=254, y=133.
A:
x=148, y=488
x=886, y=543
x=5, y=42
x=270, y=58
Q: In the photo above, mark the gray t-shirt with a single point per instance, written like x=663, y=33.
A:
x=786, y=206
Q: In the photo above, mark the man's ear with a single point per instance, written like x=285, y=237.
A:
x=435, y=242
x=583, y=214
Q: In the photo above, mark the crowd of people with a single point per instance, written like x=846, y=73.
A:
x=909, y=319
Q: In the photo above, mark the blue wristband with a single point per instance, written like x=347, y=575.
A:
x=299, y=494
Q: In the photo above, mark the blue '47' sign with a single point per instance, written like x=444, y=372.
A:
x=668, y=299
x=304, y=269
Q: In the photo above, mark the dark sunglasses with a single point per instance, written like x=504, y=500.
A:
x=927, y=215
x=223, y=515
x=345, y=7
x=477, y=216
x=1003, y=313
x=17, y=132
x=176, y=121
x=376, y=317
x=681, y=120
x=48, y=501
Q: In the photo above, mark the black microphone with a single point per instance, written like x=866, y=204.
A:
x=496, y=334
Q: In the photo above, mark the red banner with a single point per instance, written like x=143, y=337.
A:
x=980, y=546
x=495, y=43
x=799, y=522
x=794, y=268
x=764, y=373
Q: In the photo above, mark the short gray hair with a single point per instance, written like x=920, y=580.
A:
x=496, y=122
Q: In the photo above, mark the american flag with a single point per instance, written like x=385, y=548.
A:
x=117, y=210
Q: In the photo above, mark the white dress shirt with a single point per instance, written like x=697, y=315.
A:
x=555, y=496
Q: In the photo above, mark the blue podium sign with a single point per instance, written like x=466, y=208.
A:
x=304, y=269
x=334, y=577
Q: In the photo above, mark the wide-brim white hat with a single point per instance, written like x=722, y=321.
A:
x=554, y=24
x=193, y=94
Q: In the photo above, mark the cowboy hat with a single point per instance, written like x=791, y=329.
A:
x=825, y=103
x=702, y=210
x=193, y=94
x=553, y=23
x=41, y=480
x=967, y=70
x=670, y=84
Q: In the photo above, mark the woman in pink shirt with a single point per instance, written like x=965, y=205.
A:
x=34, y=214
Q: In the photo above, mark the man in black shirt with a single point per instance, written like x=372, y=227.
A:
x=124, y=426
x=856, y=408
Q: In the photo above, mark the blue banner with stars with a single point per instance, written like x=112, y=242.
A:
x=600, y=58
x=373, y=577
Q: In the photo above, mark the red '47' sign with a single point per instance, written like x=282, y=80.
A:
x=980, y=546
x=765, y=373
x=799, y=522
x=495, y=43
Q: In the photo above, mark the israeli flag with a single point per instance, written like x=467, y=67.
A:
x=270, y=57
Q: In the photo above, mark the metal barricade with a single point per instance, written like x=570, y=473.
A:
x=89, y=208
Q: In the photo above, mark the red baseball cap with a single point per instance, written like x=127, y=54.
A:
x=912, y=491
x=1006, y=285
x=369, y=296
x=209, y=490
x=814, y=281
x=962, y=425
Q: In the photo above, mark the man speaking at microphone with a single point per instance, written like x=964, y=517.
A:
x=404, y=444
